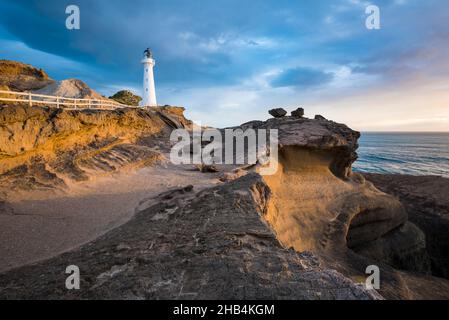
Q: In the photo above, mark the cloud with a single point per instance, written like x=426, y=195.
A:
x=225, y=42
x=301, y=77
x=231, y=59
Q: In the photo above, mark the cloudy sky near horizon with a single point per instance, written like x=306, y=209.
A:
x=228, y=61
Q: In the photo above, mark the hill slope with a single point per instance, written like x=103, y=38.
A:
x=17, y=76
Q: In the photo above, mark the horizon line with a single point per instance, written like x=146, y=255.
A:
x=384, y=131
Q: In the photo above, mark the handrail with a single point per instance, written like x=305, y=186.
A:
x=60, y=102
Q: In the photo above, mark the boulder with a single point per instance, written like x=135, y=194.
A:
x=319, y=117
x=299, y=113
x=277, y=113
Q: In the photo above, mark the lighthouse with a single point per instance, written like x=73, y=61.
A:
x=149, y=91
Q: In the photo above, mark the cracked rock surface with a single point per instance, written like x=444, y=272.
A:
x=309, y=231
x=207, y=245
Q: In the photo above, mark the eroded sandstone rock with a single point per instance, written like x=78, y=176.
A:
x=18, y=76
x=307, y=232
x=210, y=245
x=426, y=199
x=278, y=112
x=319, y=205
x=41, y=147
x=299, y=113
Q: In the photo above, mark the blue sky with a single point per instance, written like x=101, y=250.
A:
x=229, y=61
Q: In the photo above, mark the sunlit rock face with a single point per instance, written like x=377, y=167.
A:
x=17, y=76
x=44, y=147
x=318, y=204
x=307, y=232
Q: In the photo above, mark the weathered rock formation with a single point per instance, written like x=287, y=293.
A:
x=210, y=245
x=426, y=199
x=307, y=232
x=44, y=147
x=299, y=113
x=17, y=76
x=278, y=112
x=319, y=205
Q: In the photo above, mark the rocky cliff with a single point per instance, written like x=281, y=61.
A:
x=319, y=205
x=17, y=76
x=332, y=208
x=426, y=199
x=44, y=147
x=207, y=245
x=307, y=232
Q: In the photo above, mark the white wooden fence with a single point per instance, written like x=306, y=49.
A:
x=60, y=102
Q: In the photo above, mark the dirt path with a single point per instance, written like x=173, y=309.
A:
x=45, y=224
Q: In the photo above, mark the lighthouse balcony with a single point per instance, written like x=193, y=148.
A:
x=148, y=61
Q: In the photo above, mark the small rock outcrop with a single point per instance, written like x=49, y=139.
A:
x=70, y=88
x=277, y=113
x=319, y=117
x=298, y=113
x=17, y=76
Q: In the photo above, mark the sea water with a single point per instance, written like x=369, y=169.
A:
x=404, y=153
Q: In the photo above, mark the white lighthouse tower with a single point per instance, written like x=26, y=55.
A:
x=149, y=91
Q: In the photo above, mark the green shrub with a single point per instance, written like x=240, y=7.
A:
x=126, y=97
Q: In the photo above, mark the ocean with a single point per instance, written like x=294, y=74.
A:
x=404, y=153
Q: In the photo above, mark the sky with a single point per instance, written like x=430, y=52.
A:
x=230, y=61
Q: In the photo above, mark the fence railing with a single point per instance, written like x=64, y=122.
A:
x=60, y=102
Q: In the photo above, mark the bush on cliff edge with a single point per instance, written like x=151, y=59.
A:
x=126, y=97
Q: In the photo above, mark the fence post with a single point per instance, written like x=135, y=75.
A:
x=74, y=101
x=30, y=101
x=57, y=102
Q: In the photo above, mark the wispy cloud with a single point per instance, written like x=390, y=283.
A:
x=302, y=78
